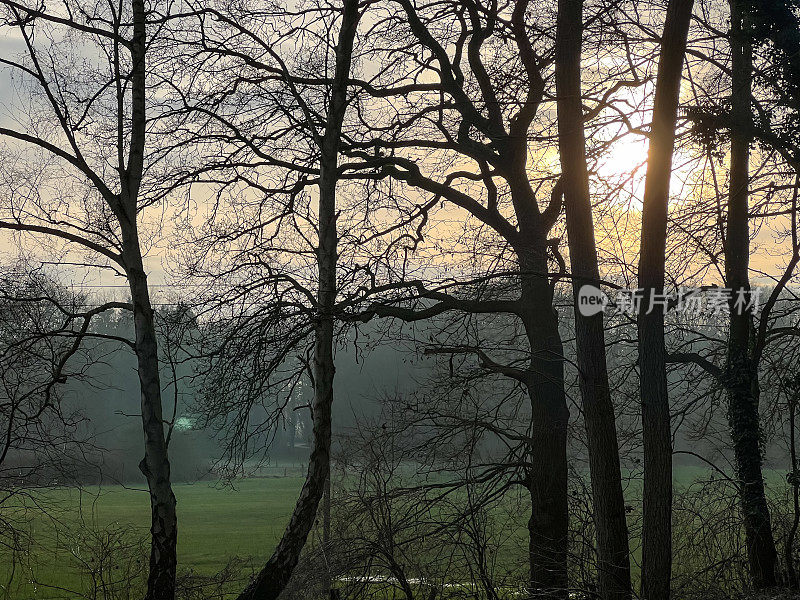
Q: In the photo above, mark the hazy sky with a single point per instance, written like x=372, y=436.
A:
x=625, y=154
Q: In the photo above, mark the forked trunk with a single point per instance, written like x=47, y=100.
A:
x=608, y=501
x=656, y=434
x=741, y=369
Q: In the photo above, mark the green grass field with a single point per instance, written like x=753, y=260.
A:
x=66, y=527
x=214, y=524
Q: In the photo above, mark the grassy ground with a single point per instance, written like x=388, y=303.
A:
x=214, y=525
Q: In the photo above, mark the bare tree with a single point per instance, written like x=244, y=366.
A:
x=94, y=130
x=739, y=111
x=741, y=372
x=261, y=268
x=468, y=118
x=272, y=579
x=43, y=439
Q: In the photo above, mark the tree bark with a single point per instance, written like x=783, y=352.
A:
x=547, y=477
x=608, y=500
x=273, y=578
x=657, y=496
x=790, y=537
x=155, y=464
x=741, y=367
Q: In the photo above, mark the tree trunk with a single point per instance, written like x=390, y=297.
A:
x=548, y=524
x=155, y=464
x=273, y=578
x=790, y=537
x=608, y=501
x=741, y=369
x=326, y=531
x=547, y=477
x=657, y=496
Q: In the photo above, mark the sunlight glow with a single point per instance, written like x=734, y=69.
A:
x=622, y=158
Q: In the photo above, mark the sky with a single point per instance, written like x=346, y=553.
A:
x=160, y=261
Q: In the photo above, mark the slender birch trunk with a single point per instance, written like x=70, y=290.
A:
x=155, y=464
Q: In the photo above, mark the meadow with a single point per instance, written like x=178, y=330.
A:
x=216, y=523
x=88, y=543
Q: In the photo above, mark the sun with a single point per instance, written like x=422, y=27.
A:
x=620, y=171
x=623, y=159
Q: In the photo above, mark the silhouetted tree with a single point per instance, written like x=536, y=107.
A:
x=656, y=432
x=90, y=123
